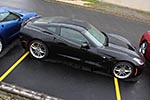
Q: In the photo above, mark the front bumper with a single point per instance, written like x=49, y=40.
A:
x=137, y=73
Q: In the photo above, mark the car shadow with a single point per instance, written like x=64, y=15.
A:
x=9, y=47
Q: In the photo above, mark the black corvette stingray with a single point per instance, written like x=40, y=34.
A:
x=80, y=41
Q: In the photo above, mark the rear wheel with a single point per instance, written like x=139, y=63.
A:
x=143, y=47
x=38, y=49
x=1, y=45
x=123, y=70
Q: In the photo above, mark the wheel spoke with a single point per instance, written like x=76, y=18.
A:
x=124, y=74
x=39, y=54
x=42, y=51
x=143, y=45
x=117, y=70
x=127, y=71
x=143, y=51
x=119, y=73
x=33, y=47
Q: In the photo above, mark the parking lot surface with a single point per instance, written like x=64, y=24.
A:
x=63, y=81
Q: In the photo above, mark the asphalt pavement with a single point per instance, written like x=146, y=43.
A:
x=64, y=81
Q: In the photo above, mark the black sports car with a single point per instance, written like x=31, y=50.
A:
x=80, y=41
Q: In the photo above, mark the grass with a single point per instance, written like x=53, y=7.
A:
x=95, y=3
x=92, y=1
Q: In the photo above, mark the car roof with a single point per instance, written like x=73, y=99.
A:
x=63, y=20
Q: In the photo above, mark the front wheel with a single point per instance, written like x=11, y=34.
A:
x=122, y=70
x=38, y=49
x=1, y=45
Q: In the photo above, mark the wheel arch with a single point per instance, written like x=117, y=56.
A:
x=37, y=40
x=1, y=37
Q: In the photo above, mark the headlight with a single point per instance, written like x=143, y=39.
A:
x=139, y=61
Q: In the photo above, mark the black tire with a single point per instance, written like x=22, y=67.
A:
x=143, y=47
x=123, y=70
x=38, y=49
x=1, y=46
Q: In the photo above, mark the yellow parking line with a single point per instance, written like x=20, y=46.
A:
x=13, y=66
x=118, y=96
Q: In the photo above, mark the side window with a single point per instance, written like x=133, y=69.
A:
x=11, y=16
x=73, y=35
x=8, y=16
x=3, y=16
x=52, y=29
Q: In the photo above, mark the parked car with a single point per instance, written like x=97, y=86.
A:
x=81, y=41
x=144, y=46
x=10, y=23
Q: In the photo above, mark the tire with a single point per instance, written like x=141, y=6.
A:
x=38, y=49
x=143, y=47
x=123, y=70
x=1, y=46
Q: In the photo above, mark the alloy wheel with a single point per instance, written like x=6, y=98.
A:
x=122, y=70
x=38, y=49
x=143, y=48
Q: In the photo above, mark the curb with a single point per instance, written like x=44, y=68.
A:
x=103, y=10
x=12, y=92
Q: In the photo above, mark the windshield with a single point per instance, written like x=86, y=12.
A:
x=96, y=36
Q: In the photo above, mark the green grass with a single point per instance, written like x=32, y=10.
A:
x=92, y=1
x=98, y=3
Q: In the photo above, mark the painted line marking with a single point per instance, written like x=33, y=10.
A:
x=13, y=66
x=118, y=96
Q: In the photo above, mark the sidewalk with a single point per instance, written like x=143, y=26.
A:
x=12, y=92
x=112, y=9
x=135, y=4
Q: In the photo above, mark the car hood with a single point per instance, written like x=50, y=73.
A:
x=119, y=46
x=24, y=14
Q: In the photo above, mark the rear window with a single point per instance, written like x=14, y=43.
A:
x=41, y=20
x=44, y=20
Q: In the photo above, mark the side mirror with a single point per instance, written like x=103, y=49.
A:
x=20, y=19
x=85, y=45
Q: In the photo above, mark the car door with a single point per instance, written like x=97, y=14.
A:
x=70, y=45
x=10, y=25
